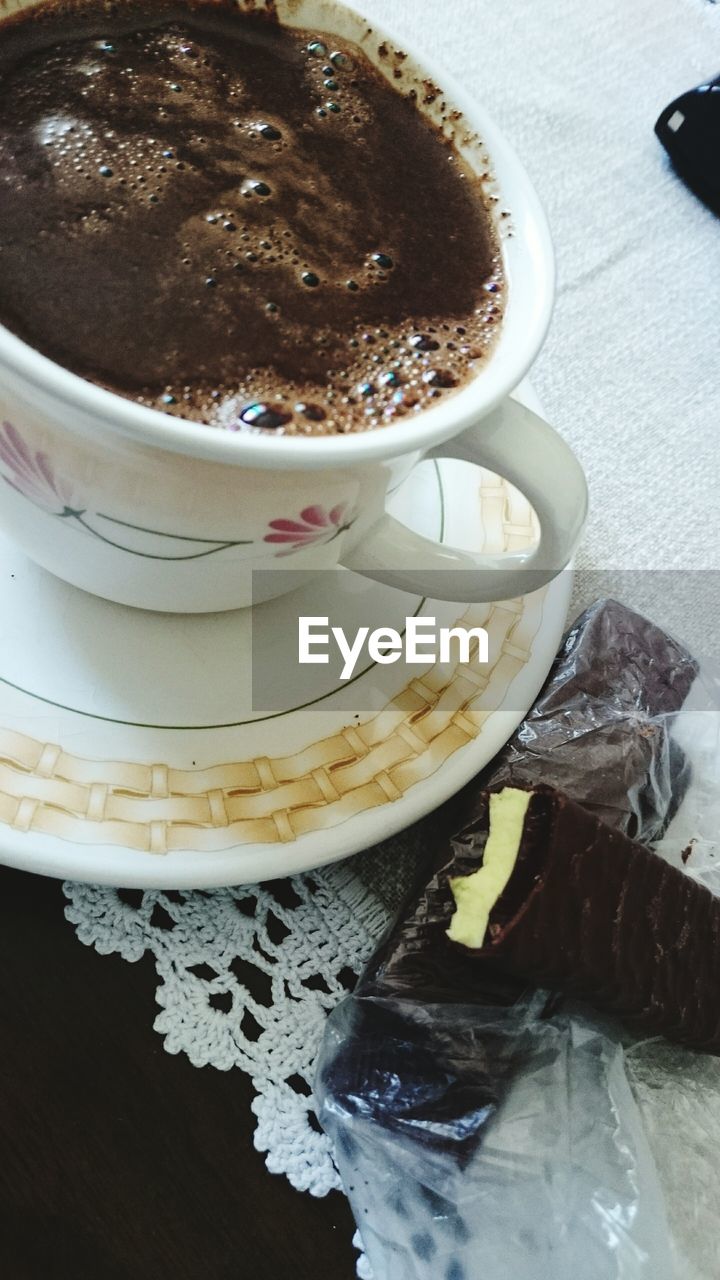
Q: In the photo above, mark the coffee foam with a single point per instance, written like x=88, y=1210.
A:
x=191, y=259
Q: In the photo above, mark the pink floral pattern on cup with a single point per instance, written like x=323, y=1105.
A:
x=32, y=474
x=315, y=526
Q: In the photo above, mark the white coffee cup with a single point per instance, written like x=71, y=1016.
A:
x=147, y=510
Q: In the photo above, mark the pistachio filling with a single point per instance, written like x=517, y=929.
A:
x=476, y=895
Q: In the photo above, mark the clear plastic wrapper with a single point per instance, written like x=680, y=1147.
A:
x=512, y=1138
x=602, y=729
x=475, y=1146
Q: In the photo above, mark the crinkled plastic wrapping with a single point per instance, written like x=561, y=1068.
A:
x=602, y=729
x=475, y=1146
x=477, y=1138
x=678, y=1091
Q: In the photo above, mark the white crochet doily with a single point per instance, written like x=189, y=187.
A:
x=246, y=979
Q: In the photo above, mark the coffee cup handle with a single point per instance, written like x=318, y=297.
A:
x=522, y=448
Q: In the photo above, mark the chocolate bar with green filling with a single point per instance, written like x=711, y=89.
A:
x=601, y=732
x=559, y=899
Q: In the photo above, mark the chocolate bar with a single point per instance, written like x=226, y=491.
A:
x=599, y=729
x=399, y=1065
x=559, y=899
x=429, y=1072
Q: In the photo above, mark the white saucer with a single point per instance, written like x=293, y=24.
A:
x=129, y=753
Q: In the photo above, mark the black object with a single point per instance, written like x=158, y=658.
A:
x=689, y=130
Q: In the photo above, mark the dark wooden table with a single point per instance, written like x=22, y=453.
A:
x=119, y=1161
